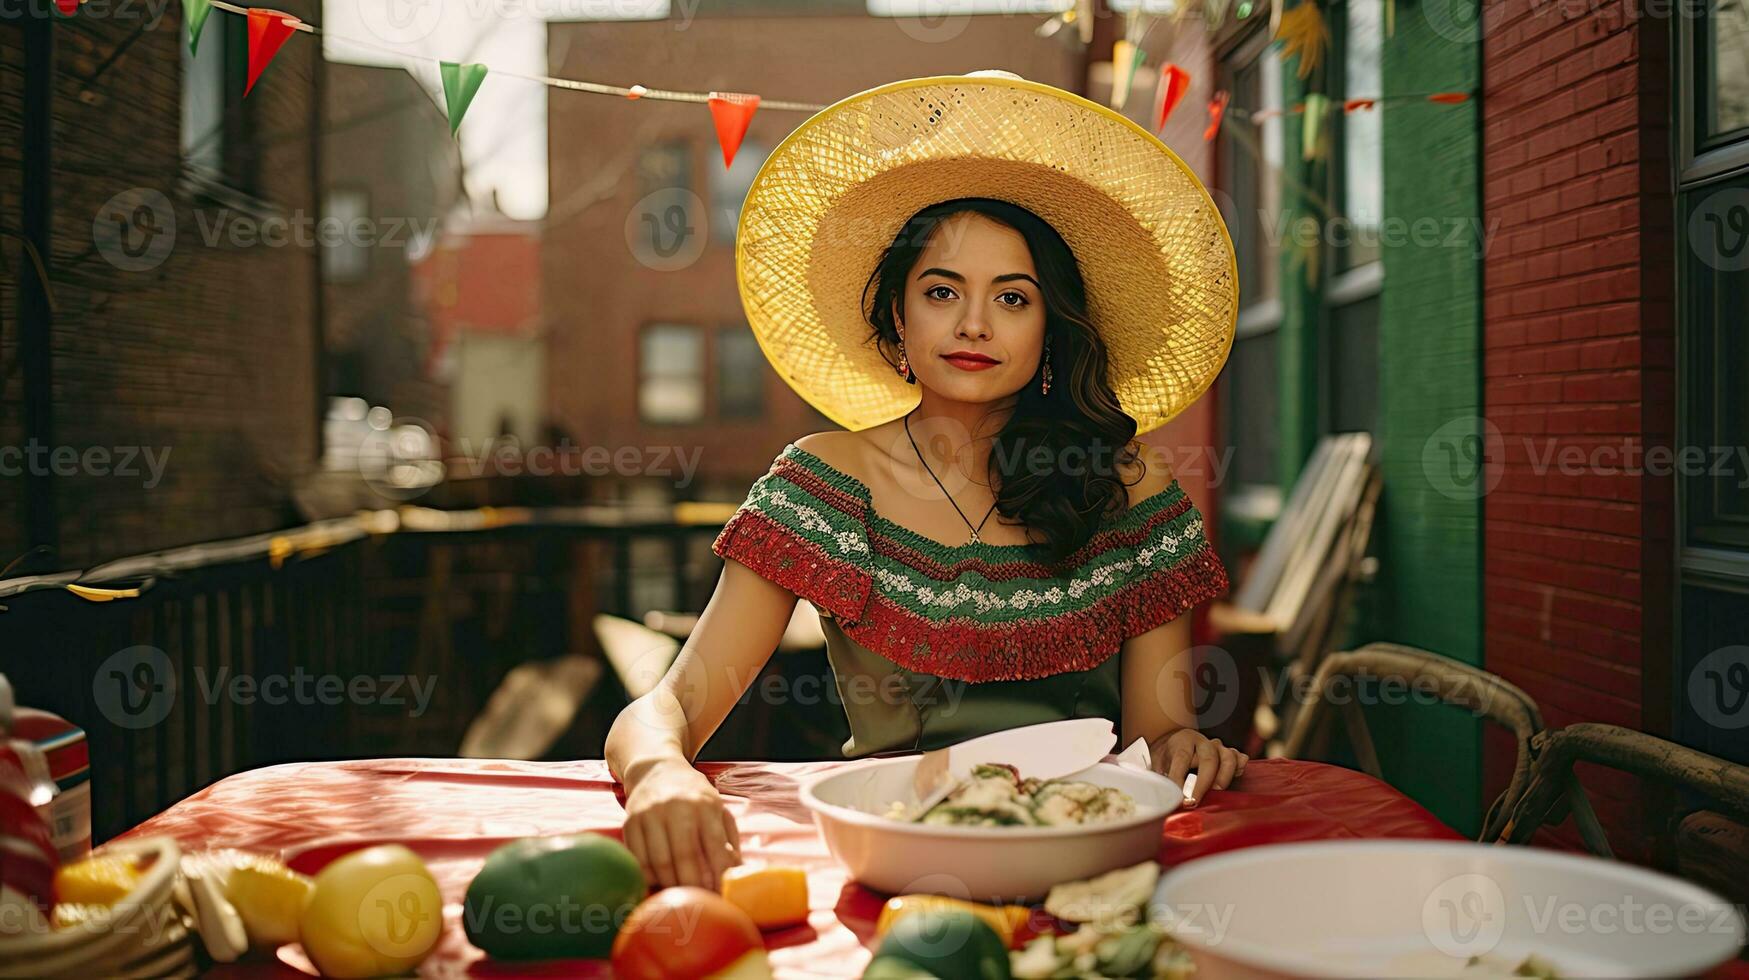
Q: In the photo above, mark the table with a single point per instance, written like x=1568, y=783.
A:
x=455, y=811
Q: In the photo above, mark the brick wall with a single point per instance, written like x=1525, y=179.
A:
x=209, y=356
x=597, y=295
x=1578, y=358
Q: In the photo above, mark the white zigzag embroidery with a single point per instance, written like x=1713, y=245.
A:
x=959, y=595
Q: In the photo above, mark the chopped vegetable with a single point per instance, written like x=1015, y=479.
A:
x=996, y=796
x=1114, y=898
x=771, y=896
x=271, y=899
x=102, y=879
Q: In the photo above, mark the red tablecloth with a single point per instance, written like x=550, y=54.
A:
x=455, y=811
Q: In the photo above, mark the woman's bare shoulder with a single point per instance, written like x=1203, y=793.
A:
x=846, y=452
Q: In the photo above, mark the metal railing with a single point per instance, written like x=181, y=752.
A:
x=377, y=635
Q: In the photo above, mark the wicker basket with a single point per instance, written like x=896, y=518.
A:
x=146, y=934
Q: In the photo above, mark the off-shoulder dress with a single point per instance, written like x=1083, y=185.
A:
x=932, y=643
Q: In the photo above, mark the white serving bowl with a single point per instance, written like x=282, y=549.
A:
x=989, y=864
x=1392, y=908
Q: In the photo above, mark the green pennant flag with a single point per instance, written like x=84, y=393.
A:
x=194, y=14
x=460, y=82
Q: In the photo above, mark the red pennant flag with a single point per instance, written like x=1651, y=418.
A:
x=1217, y=112
x=1353, y=104
x=732, y=112
x=268, y=29
x=1174, y=82
x=1449, y=98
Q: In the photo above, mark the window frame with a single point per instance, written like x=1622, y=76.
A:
x=1702, y=168
x=1247, y=45
x=236, y=182
x=1700, y=159
x=1343, y=286
x=703, y=375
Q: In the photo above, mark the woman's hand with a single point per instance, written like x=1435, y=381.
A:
x=1216, y=765
x=678, y=828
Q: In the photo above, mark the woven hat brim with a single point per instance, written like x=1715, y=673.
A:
x=1156, y=258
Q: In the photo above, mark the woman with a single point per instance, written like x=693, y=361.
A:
x=985, y=544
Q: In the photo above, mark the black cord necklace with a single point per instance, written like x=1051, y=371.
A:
x=949, y=496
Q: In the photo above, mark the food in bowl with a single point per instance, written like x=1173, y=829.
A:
x=995, y=795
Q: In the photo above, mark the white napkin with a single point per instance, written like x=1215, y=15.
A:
x=1136, y=756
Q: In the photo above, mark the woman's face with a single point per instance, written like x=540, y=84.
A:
x=974, y=319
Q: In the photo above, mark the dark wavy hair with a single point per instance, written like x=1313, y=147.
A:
x=1061, y=506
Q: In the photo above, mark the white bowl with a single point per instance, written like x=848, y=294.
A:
x=1421, y=908
x=988, y=864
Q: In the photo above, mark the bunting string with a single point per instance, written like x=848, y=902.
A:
x=571, y=84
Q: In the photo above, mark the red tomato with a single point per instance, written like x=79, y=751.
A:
x=686, y=932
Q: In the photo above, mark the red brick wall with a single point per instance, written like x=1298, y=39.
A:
x=1578, y=359
x=209, y=356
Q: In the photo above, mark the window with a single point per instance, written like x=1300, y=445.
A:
x=740, y=374
x=1712, y=249
x=1716, y=294
x=1251, y=158
x=215, y=120
x=671, y=374
x=665, y=166
x=345, y=257
x=1351, y=367
x=1348, y=332
x=1250, y=174
x=728, y=187
x=1722, y=71
x=1361, y=187
x=1713, y=274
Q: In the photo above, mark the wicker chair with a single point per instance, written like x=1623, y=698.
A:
x=1487, y=695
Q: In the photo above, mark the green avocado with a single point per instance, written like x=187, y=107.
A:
x=947, y=943
x=549, y=897
x=893, y=968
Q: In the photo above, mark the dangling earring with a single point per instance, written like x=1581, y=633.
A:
x=905, y=366
x=1045, y=384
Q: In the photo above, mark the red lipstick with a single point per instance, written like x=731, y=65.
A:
x=970, y=360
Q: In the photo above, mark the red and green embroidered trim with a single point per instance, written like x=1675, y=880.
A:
x=973, y=612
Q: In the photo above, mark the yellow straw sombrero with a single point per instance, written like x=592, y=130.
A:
x=1162, y=287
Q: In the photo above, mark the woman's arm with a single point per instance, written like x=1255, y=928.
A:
x=675, y=821
x=1159, y=704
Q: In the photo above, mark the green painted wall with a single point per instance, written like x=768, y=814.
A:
x=1430, y=350
x=1429, y=589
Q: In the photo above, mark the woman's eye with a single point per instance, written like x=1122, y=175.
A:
x=931, y=292
x=1019, y=299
